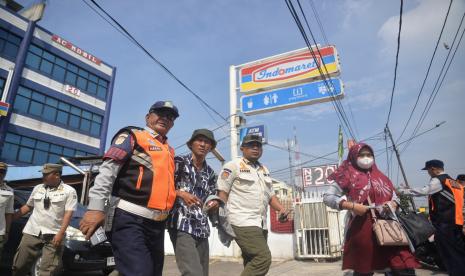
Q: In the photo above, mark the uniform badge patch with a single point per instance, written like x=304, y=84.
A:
x=154, y=148
x=120, y=139
x=225, y=174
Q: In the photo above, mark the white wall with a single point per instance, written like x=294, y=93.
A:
x=281, y=245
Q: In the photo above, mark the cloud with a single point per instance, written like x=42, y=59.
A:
x=354, y=9
x=420, y=29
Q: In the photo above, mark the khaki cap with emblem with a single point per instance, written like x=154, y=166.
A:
x=3, y=166
x=50, y=167
x=249, y=138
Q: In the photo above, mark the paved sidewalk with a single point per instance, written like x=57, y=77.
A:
x=227, y=267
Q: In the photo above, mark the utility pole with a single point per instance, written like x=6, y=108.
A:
x=386, y=130
x=233, y=110
x=291, y=174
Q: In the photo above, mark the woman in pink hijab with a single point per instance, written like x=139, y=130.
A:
x=357, y=178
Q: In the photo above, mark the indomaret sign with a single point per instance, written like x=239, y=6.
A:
x=76, y=49
x=288, y=69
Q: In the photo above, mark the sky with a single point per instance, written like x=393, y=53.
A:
x=199, y=40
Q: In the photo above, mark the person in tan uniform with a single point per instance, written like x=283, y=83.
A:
x=52, y=204
x=246, y=187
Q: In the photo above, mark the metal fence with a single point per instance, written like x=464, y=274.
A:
x=318, y=230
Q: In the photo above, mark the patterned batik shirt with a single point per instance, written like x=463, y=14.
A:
x=201, y=183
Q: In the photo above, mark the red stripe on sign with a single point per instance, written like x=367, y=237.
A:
x=325, y=51
x=4, y=104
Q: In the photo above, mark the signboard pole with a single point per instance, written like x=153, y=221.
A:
x=233, y=110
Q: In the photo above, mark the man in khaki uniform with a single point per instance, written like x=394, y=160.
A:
x=6, y=207
x=245, y=184
x=52, y=204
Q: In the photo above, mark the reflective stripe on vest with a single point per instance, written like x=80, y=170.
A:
x=457, y=191
x=163, y=194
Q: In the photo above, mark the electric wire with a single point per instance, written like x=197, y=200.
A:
x=321, y=156
x=379, y=152
x=322, y=30
x=397, y=62
x=437, y=87
x=427, y=72
x=299, y=152
x=340, y=114
x=326, y=76
x=164, y=67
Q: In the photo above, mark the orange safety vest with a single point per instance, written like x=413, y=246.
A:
x=457, y=191
x=147, y=177
x=447, y=205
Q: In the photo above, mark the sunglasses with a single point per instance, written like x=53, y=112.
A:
x=168, y=114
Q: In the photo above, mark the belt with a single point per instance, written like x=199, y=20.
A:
x=145, y=212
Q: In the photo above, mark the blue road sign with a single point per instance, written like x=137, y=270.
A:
x=289, y=97
x=258, y=130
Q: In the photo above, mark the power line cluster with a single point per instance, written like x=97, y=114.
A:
x=298, y=14
x=427, y=73
x=439, y=81
x=339, y=108
x=377, y=152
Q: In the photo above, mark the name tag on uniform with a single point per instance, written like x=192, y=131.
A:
x=155, y=148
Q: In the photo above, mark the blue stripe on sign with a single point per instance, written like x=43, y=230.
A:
x=246, y=78
x=329, y=59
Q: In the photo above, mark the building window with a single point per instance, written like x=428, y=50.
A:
x=9, y=44
x=54, y=111
x=36, y=152
x=2, y=86
x=66, y=72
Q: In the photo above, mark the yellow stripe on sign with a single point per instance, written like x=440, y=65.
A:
x=330, y=69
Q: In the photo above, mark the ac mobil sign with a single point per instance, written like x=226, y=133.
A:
x=287, y=69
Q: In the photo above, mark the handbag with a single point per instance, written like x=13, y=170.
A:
x=388, y=232
x=417, y=226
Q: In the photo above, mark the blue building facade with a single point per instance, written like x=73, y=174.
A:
x=59, y=95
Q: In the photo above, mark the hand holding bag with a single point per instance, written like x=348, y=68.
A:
x=417, y=226
x=388, y=232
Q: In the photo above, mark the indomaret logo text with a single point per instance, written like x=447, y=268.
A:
x=285, y=69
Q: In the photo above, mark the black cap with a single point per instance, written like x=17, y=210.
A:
x=249, y=138
x=165, y=105
x=434, y=164
x=461, y=177
x=202, y=132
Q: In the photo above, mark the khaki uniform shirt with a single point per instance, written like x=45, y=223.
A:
x=6, y=205
x=62, y=198
x=250, y=191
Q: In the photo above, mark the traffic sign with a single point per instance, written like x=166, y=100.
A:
x=258, y=130
x=289, y=97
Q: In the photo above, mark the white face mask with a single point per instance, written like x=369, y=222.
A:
x=365, y=162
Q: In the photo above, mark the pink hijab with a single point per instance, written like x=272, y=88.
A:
x=358, y=183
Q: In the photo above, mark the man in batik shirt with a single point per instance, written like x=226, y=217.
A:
x=188, y=225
